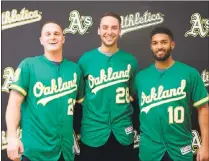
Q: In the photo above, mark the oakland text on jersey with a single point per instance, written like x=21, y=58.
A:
x=96, y=83
x=62, y=88
x=162, y=96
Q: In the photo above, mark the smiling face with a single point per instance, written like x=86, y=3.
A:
x=52, y=38
x=109, y=31
x=161, y=46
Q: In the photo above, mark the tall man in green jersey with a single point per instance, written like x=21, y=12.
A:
x=43, y=93
x=165, y=90
x=109, y=72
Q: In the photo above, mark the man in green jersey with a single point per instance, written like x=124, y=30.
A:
x=109, y=72
x=165, y=90
x=43, y=93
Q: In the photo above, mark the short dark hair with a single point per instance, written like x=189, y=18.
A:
x=162, y=30
x=47, y=22
x=112, y=14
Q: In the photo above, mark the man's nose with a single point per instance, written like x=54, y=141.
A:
x=159, y=46
x=52, y=36
x=109, y=31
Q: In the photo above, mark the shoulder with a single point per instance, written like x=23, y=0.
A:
x=127, y=54
x=147, y=69
x=89, y=53
x=72, y=65
x=186, y=67
x=128, y=57
x=144, y=72
x=29, y=60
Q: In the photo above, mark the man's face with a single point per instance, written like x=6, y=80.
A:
x=109, y=31
x=161, y=46
x=52, y=37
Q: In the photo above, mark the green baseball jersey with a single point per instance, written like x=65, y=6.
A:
x=165, y=111
x=50, y=92
x=108, y=86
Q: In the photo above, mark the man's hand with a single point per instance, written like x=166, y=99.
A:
x=203, y=153
x=14, y=148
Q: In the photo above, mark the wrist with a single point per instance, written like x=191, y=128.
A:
x=205, y=144
x=12, y=139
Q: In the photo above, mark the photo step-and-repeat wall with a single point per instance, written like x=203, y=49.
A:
x=21, y=24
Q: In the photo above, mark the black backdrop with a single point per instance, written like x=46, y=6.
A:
x=22, y=21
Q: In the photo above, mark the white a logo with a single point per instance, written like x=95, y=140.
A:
x=8, y=76
x=199, y=26
x=78, y=23
x=205, y=77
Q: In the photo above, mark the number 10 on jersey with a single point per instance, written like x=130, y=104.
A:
x=176, y=114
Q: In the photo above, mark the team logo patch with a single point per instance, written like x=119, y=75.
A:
x=129, y=130
x=186, y=149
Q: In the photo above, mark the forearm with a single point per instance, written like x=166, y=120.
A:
x=203, y=117
x=12, y=121
x=13, y=113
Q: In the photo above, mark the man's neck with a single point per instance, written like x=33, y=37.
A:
x=55, y=57
x=164, y=64
x=106, y=49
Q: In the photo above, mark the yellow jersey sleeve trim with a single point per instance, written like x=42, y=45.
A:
x=80, y=100
x=202, y=101
x=19, y=89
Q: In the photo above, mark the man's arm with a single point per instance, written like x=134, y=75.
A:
x=12, y=121
x=203, y=117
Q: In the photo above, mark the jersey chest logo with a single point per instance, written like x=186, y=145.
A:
x=108, y=78
x=161, y=96
x=55, y=90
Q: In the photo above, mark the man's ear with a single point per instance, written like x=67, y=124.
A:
x=98, y=31
x=41, y=41
x=173, y=44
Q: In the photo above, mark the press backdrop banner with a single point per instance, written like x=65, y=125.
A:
x=21, y=25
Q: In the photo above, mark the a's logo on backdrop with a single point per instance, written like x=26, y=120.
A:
x=78, y=23
x=8, y=76
x=133, y=22
x=10, y=19
x=200, y=26
x=196, y=142
x=205, y=77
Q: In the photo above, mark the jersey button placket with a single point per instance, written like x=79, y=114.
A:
x=109, y=64
x=59, y=110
